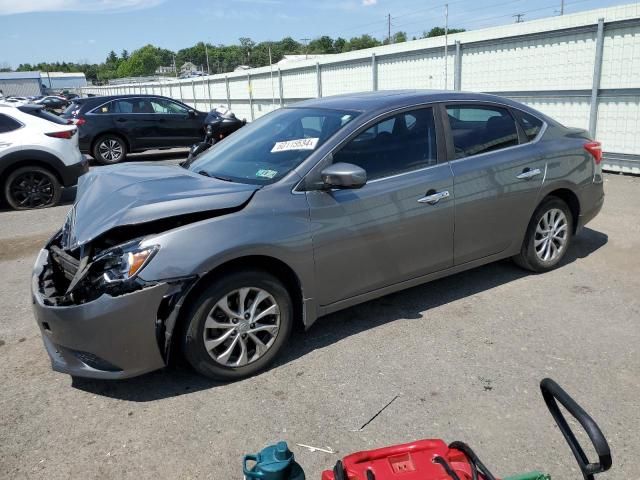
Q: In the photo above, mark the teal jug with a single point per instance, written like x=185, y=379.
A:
x=275, y=462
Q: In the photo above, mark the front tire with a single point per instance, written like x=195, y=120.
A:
x=238, y=325
x=32, y=187
x=548, y=236
x=109, y=149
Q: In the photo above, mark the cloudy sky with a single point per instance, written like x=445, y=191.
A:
x=86, y=30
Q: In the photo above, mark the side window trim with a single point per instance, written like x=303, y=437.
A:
x=388, y=115
x=451, y=151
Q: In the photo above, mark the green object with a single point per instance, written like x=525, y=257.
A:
x=275, y=462
x=530, y=476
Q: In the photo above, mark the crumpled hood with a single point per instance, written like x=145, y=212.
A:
x=136, y=193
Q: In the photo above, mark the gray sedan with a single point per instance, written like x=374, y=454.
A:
x=309, y=210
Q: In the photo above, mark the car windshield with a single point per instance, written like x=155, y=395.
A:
x=269, y=148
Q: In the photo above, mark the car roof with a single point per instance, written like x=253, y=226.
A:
x=391, y=99
x=91, y=101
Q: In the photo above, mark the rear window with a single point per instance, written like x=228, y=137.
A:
x=42, y=113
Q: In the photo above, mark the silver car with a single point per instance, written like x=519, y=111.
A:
x=309, y=210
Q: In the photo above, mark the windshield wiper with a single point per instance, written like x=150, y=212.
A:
x=217, y=177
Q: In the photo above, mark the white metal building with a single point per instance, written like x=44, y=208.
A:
x=582, y=69
x=63, y=80
x=20, y=84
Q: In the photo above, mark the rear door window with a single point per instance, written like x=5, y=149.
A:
x=133, y=105
x=530, y=124
x=402, y=143
x=477, y=129
x=8, y=124
x=106, y=108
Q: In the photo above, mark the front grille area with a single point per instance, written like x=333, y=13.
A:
x=67, y=264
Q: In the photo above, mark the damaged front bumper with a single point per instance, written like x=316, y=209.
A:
x=110, y=337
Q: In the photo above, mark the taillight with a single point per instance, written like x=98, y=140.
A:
x=66, y=134
x=595, y=149
x=79, y=121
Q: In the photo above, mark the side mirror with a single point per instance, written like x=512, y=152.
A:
x=191, y=113
x=343, y=175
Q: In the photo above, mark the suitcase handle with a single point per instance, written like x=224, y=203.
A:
x=552, y=394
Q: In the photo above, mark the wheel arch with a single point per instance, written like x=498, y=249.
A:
x=269, y=264
x=25, y=158
x=569, y=197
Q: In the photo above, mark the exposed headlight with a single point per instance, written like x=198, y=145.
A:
x=209, y=130
x=124, y=262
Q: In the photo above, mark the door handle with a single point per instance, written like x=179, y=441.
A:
x=528, y=173
x=434, y=198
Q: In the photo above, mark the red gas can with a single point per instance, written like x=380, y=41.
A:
x=421, y=460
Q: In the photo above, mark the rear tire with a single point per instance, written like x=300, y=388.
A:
x=228, y=337
x=32, y=187
x=548, y=236
x=109, y=149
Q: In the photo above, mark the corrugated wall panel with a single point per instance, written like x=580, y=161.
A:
x=619, y=124
x=421, y=70
x=621, y=58
x=262, y=87
x=300, y=83
x=536, y=64
x=239, y=88
x=350, y=77
x=570, y=111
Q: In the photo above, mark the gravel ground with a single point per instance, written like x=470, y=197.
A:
x=461, y=356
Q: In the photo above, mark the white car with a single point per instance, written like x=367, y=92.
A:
x=39, y=155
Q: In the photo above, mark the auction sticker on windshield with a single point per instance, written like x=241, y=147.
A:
x=300, y=144
x=266, y=173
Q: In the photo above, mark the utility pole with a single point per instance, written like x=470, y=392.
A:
x=273, y=92
x=446, y=42
x=561, y=7
x=518, y=17
x=206, y=52
x=306, y=47
x=175, y=70
x=388, y=28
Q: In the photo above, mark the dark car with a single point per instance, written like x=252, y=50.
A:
x=112, y=126
x=308, y=210
x=53, y=103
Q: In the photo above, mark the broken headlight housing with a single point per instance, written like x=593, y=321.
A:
x=124, y=262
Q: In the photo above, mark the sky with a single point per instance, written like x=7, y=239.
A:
x=86, y=30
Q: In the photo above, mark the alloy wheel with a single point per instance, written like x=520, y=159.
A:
x=111, y=150
x=241, y=327
x=32, y=190
x=551, y=235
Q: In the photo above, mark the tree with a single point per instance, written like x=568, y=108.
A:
x=340, y=45
x=439, y=31
x=142, y=62
x=323, y=44
x=124, y=55
x=361, y=42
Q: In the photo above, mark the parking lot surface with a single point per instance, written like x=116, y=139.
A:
x=462, y=357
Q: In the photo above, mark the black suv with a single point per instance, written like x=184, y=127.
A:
x=112, y=126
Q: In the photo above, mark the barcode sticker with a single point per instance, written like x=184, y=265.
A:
x=300, y=144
